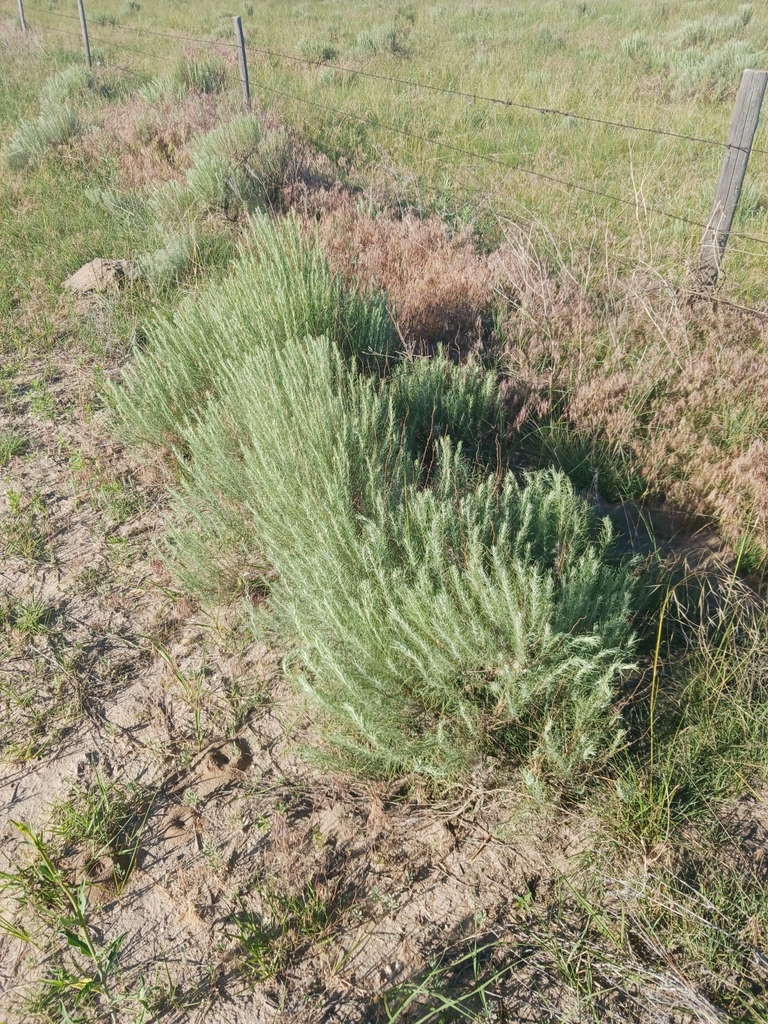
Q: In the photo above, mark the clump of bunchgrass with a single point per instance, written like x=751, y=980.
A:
x=699, y=726
x=687, y=790
x=12, y=443
x=186, y=249
x=206, y=75
x=267, y=941
x=315, y=50
x=24, y=527
x=104, y=19
x=105, y=821
x=153, y=91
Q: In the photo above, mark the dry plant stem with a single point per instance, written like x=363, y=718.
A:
x=654, y=691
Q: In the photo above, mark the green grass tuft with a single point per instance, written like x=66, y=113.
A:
x=12, y=443
x=207, y=75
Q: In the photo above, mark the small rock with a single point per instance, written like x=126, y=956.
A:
x=99, y=276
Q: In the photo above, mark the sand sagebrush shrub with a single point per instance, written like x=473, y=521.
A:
x=65, y=85
x=702, y=58
x=57, y=122
x=237, y=168
x=434, y=618
x=716, y=73
x=385, y=38
x=280, y=289
x=32, y=139
x=431, y=625
x=712, y=29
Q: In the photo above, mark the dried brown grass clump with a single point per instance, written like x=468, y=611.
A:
x=547, y=317
x=149, y=143
x=440, y=289
x=12, y=38
x=681, y=391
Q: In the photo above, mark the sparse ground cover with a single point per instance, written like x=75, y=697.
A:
x=328, y=692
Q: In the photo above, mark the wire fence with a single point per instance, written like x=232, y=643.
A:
x=550, y=178
x=639, y=206
x=411, y=83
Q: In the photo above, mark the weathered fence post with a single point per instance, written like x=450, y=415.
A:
x=84, y=27
x=242, y=61
x=22, y=18
x=746, y=115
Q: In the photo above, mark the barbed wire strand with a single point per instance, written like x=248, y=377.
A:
x=106, y=42
x=704, y=296
x=717, y=299
x=543, y=109
x=91, y=37
x=480, y=97
x=551, y=178
x=62, y=32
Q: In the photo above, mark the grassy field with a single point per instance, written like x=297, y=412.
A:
x=382, y=628
x=671, y=66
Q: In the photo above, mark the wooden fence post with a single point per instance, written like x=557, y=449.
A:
x=242, y=61
x=84, y=27
x=22, y=18
x=746, y=115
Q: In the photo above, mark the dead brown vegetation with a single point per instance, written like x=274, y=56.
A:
x=679, y=391
x=149, y=144
x=440, y=289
